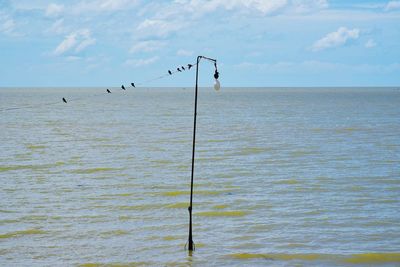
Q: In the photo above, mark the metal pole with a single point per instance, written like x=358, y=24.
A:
x=191, y=244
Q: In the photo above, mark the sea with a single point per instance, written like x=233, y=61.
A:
x=282, y=177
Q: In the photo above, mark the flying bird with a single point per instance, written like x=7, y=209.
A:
x=178, y=69
x=123, y=87
x=169, y=72
x=133, y=84
x=190, y=66
x=183, y=67
x=108, y=91
x=65, y=101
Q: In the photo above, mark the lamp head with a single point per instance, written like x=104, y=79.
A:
x=217, y=85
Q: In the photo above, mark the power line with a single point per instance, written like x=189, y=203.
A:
x=66, y=100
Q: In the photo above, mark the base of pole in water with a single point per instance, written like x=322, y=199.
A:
x=191, y=247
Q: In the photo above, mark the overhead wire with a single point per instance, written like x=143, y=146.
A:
x=107, y=91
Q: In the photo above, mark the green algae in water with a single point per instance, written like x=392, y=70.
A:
x=23, y=233
x=235, y=213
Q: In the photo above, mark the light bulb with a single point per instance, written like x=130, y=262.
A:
x=217, y=85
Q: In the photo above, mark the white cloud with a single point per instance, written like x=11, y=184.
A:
x=184, y=53
x=57, y=27
x=141, y=62
x=85, y=43
x=369, y=5
x=315, y=67
x=173, y=16
x=391, y=5
x=103, y=5
x=265, y=7
x=7, y=26
x=160, y=28
x=76, y=41
x=303, y=6
x=72, y=58
x=370, y=43
x=54, y=10
x=147, y=46
x=335, y=39
x=116, y=4
x=68, y=43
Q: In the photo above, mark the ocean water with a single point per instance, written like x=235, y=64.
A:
x=283, y=177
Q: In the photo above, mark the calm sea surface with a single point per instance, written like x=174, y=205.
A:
x=283, y=177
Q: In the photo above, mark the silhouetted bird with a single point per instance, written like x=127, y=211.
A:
x=123, y=87
x=169, y=72
x=108, y=91
x=133, y=84
x=65, y=101
x=183, y=67
x=190, y=66
x=178, y=69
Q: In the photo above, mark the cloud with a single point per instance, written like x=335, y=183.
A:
x=7, y=26
x=170, y=17
x=265, y=7
x=159, y=28
x=57, y=27
x=305, y=6
x=147, y=46
x=141, y=62
x=116, y=4
x=370, y=43
x=184, y=53
x=72, y=58
x=54, y=10
x=315, y=67
x=85, y=43
x=68, y=43
x=335, y=39
x=391, y=5
x=76, y=41
x=103, y=6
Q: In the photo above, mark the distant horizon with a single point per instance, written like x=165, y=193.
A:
x=192, y=86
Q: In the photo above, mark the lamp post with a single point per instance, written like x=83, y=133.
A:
x=217, y=86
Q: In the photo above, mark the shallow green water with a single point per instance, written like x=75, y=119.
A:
x=282, y=177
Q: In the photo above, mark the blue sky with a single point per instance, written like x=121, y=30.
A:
x=256, y=42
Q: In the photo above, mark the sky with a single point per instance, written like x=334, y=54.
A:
x=271, y=43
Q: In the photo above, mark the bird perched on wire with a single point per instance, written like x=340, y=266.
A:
x=108, y=91
x=169, y=72
x=178, y=69
x=123, y=87
x=65, y=101
x=190, y=66
x=133, y=84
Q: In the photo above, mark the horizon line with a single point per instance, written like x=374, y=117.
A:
x=228, y=87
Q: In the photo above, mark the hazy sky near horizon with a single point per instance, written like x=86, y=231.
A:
x=256, y=42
